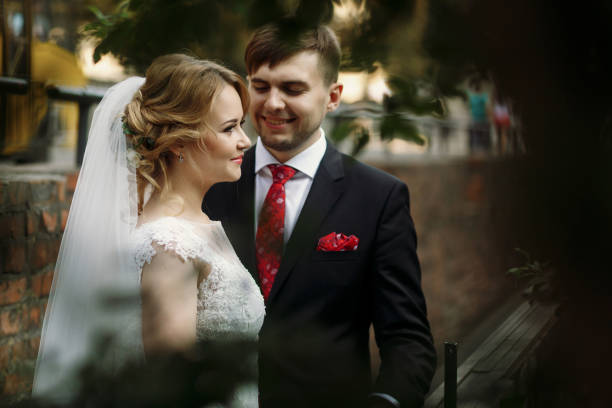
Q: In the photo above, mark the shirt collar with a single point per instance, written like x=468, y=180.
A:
x=306, y=162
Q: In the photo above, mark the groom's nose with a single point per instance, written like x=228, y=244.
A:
x=274, y=100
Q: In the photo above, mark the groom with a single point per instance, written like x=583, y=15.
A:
x=329, y=240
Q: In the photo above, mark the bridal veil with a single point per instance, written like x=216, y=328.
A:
x=95, y=290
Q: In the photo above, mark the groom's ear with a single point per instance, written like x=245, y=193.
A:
x=335, y=92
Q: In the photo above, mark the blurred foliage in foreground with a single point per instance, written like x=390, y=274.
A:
x=386, y=34
x=208, y=375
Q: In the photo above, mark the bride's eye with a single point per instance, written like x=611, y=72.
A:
x=231, y=127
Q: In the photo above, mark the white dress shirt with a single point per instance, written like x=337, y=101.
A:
x=297, y=188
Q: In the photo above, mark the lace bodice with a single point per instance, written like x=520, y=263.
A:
x=230, y=304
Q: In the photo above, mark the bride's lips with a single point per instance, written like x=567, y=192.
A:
x=238, y=159
x=276, y=123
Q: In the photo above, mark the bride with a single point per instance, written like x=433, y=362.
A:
x=136, y=229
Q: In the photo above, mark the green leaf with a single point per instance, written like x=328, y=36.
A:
x=96, y=11
x=524, y=253
x=96, y=55
x=362, y=139
x=343, y=129
x=515, y=270
x=394, y=125
x=414, y=96
x=89, y=27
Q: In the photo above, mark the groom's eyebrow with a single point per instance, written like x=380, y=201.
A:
x=259, y=80
x=295, y=84
x=283, y=83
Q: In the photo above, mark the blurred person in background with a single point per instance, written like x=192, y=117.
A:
x=501, y=120
x=480, y=112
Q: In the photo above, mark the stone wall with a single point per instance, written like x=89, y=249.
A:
x=33, y=213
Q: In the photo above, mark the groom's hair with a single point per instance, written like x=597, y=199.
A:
x=277, y=42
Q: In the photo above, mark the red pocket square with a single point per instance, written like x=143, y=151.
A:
x=338, y=242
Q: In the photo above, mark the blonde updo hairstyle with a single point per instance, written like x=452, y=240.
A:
x=169, y=111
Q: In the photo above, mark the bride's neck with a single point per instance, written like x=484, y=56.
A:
x=173, y=204
x=182, y=199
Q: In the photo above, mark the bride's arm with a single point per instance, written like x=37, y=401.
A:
x=169, y=303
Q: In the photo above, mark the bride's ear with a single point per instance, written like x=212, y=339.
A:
x=177, y=150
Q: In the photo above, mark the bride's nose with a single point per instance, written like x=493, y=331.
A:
x=243, y=142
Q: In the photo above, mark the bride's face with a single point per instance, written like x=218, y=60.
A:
x=225, y=140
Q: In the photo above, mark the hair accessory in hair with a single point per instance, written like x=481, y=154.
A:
x=126, y=128
x=147, y=141
x=133, y=157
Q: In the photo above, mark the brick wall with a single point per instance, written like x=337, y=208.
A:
x=466, y=213
x=33, y=213
x=461, y=211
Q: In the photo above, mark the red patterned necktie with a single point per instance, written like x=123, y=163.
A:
x=271, y=227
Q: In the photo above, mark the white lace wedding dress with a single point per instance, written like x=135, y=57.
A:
x=230, y=305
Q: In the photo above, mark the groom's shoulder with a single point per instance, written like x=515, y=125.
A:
x=366, y=175
x=217, y=198
x=221, y=189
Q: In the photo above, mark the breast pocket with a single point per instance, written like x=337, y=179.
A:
x=334, y=269
x=335, y=256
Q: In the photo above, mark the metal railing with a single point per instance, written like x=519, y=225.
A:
x=84, y=97
x=14, y=85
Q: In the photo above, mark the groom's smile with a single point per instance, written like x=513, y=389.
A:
x=275, y=123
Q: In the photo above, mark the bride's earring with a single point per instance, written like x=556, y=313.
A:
x=181, y=157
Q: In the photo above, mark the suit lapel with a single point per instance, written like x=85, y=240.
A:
x=327, y=187
x=243, y=224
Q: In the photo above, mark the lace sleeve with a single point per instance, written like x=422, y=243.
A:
x=168, y=234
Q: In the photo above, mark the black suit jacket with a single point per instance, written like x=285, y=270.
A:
x=314, y=340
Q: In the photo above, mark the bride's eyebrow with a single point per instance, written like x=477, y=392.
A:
x=232, y=121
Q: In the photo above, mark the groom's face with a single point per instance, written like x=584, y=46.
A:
x=289, y=102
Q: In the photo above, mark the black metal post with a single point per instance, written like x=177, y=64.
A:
x=3, y=103
x=450, y=374
x=82, y=136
